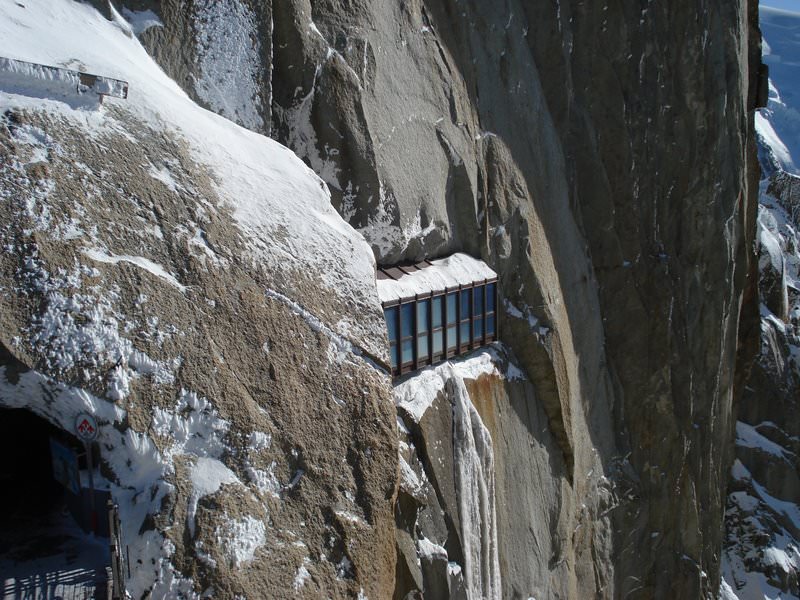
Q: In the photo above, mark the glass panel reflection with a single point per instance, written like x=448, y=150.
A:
x=452, y=338
x=478, y=329
x=422, y=315
x=438, y=306
x=390, y=314
x=438, y=339
x=452, y=304
x=407, y=317
x=477, y=300
x=408, y=351
x=464, y=304
x=490, y=325
x=422, y=347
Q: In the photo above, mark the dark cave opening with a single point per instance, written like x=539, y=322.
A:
x=26, y=471
x=46, y=545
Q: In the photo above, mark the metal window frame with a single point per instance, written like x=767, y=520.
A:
x=396, y=342
x=462, y=346
x=426, y=360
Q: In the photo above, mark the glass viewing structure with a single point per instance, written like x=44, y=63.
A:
x=437, y=309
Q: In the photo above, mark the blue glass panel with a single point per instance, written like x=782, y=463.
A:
x=423, y=323
x=465, y=303
x=464, y=333
x=478, y=329
x=490, y=324
x=452, y=302
x=438, y=341
x=452, y=340
x=491, y=290
x=438, y=307
x=407, y=316
x=477, y=300
x=393, y=353
x=422, y=347
x=391, y=322
x=408, y=351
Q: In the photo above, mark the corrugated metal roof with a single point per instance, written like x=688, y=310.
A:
x=399, y=282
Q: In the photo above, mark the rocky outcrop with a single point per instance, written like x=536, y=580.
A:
x=762, y=518
x=200, y=296
x=568, y=147
x=605, y=168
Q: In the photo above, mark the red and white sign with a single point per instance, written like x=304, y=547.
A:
x=86, y=427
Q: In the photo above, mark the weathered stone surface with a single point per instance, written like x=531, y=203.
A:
x=608, y=184
x=532, y=490
x=600, y=158
x=318, y=489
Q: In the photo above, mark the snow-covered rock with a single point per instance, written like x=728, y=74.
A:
x=761, y=557
x=188, y=282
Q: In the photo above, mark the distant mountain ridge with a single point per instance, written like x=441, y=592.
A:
x=778, y=125
x=761, y=558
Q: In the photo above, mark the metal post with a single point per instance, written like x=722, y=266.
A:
x=484, y=293
x=112, y=594
x=430, y=329
x=415, y=329
x=92, y=511
x=400, y=338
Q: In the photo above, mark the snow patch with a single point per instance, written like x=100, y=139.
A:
x=240, y=538
x=141, y=20
x=417, y=393
x=454, y=270
x=208, y=475
x=229, y=59
x=139, y=261
x=748, y=437
x=302, y=575
x=427, y=549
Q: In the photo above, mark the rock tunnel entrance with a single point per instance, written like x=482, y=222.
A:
x=47, y=549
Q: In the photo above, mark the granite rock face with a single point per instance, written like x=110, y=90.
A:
x=601, y=159
x=611, y=182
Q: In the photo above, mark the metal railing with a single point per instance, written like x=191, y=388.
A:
x=116, y=580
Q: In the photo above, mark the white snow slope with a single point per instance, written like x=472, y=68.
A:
x=273, y=190
x=282, y=209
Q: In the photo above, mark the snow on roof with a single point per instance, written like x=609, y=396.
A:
x=436, y=275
